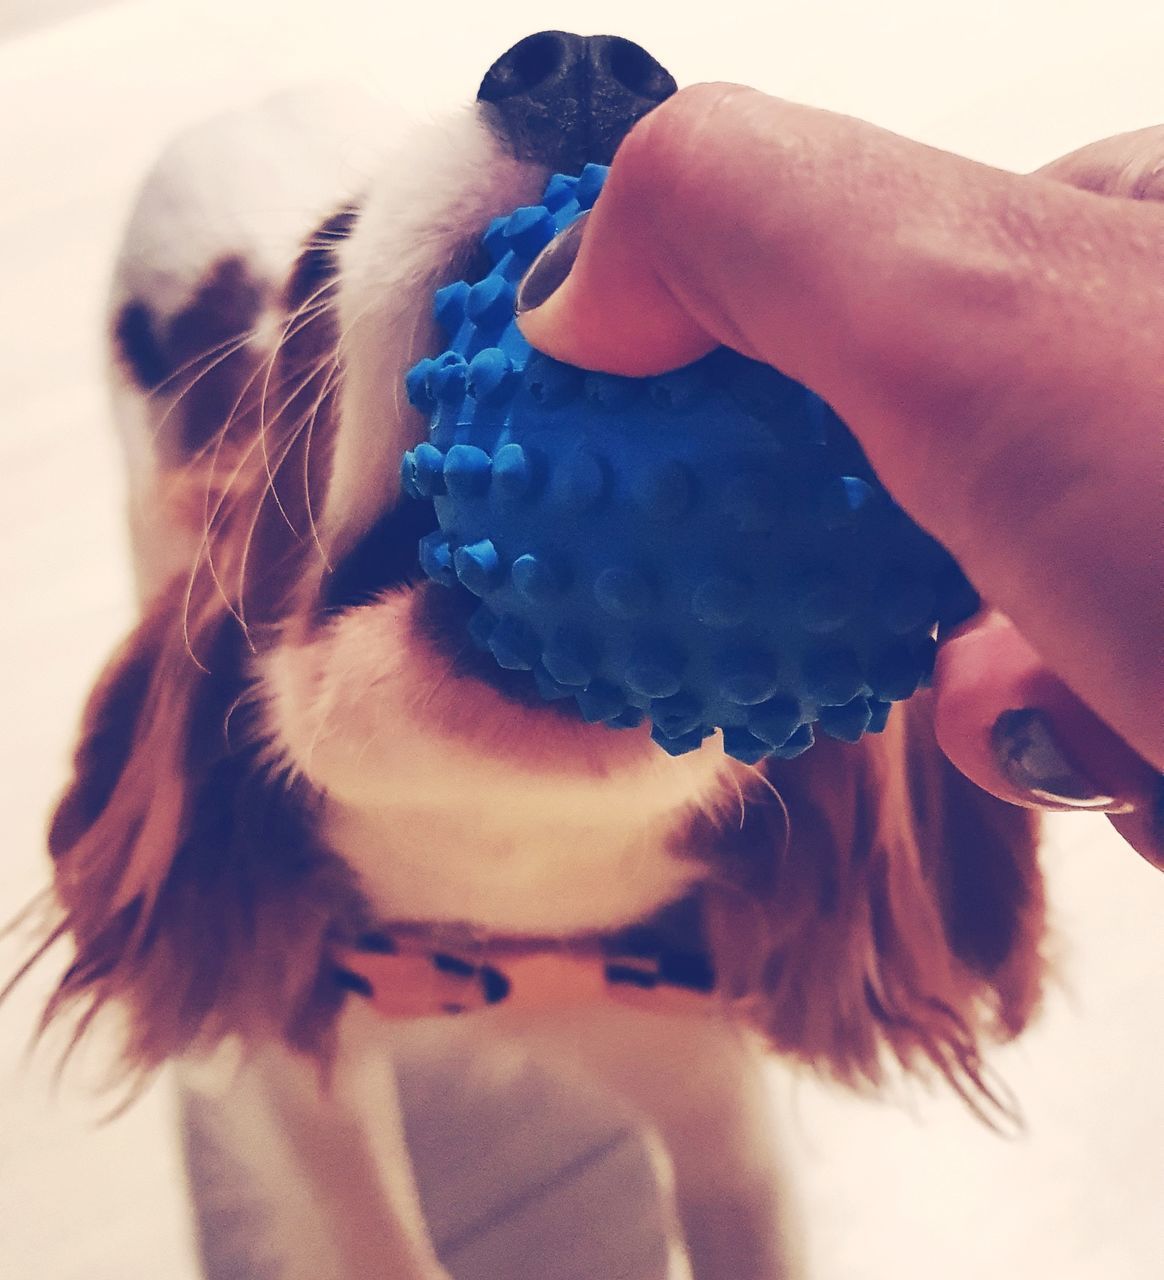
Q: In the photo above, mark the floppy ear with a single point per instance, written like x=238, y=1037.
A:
x=876, y=904
x=188, y=879
x=188, y=875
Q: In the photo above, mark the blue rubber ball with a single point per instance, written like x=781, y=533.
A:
x=708, y=549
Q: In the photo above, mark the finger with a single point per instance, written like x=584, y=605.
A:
x=1017, y=731
x=1129, y=166
x=993, y=340
x=612, y=292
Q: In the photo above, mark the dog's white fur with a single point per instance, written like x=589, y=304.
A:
x=585, y=849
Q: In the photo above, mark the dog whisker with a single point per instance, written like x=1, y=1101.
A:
x=330, y=387
x=248, y=385
x=325, y=292
x=214, y=358
x=271, y=490
x=219, y=496
x=213, y=518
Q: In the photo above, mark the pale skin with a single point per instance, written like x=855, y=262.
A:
x=996, y=342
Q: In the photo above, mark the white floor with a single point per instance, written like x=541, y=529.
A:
x=893, y=1192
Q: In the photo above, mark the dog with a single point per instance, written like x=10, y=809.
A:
x=311, y=832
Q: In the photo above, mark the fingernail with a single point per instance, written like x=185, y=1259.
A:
x=551, y=267
x=1031, y=758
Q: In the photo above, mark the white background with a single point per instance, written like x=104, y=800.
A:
x=905, y=1191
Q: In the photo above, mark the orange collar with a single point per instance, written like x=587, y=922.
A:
x=661, y=966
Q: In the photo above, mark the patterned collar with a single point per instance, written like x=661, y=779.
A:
x=413, y=971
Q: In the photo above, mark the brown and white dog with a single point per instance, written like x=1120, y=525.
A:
x=300, y=793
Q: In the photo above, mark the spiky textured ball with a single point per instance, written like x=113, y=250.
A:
x=708, y=549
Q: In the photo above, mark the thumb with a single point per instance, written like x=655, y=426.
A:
x=993, y=340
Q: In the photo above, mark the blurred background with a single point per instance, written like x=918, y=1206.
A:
x=907, y=1188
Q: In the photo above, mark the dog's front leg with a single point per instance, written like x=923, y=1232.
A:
x=699, y=1083
x=365, y=1087
x=296, y=1180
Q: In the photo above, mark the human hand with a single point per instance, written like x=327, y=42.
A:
x=995, y=341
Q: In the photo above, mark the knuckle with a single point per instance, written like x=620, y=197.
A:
x=673, y=142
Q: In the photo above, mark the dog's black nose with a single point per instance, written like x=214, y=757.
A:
x=567, y=100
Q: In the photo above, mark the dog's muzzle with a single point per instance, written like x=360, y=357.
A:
x=566, y=101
